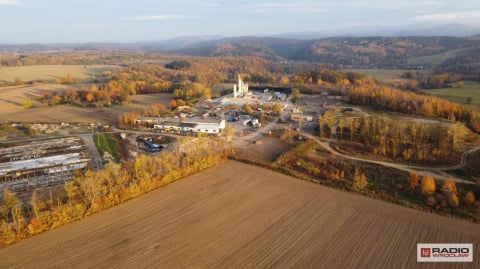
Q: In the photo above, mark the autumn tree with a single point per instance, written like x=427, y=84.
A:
x=248, y=109
x=470, y=198
x=414, y=179
x=10, y=204
x=453, y=200
x=449, y=187
x=359, y=180
x=277, y=107
x=428, y=185
x=284, y=80
x=172, y=104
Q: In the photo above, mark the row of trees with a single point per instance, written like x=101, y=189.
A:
x=91, y=192
x=107, y=95
x=397, y=139
x=446, y=195
x=410, y=103
x=154, y=110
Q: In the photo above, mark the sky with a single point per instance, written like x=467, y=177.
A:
x=72, y=21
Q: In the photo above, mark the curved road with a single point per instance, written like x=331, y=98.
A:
x=437, y=173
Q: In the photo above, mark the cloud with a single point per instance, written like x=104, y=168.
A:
x=9, y=2
x=468, y=17
x=165, y=17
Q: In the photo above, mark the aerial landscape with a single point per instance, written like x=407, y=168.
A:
x=243, y=134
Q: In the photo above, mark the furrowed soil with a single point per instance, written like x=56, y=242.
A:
x=241, y=216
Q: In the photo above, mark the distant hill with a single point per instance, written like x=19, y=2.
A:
x=303, y=35
x=391, y=52
x=351, y=52
x=265, y=47
x=179, y=42
x=455, y=29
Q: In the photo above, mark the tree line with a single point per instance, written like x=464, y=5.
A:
x=393, y=138
x=384, y=98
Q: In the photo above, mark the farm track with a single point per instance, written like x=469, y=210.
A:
x=241, y=216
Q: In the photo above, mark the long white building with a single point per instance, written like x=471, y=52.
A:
x=188, y=125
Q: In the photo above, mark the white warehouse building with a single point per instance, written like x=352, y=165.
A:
x=191, y=125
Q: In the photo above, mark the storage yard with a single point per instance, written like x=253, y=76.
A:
x=261, y=219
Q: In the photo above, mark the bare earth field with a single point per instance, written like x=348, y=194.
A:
x=11, y=109
x=240, y=216
x=52, y=72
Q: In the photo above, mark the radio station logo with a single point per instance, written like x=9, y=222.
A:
x=444, y=252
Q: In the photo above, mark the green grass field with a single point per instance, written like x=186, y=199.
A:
x=459, y=95
x=106, y=143
x=428, y=60
x=52, y=72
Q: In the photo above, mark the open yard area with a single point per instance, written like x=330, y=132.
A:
x=12, y=110
x=460, y=95
x=52, y=72
x=265, y=149
x=241, y=216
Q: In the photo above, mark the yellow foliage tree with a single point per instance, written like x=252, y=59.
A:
x=428, y=185
x=470, y=198
x=453, y=200
x=449, y=187
x=359, y=180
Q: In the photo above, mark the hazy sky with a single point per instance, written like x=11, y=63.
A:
x=49, y=21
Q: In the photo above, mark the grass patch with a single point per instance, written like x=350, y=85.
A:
x=107, y=143
x=428, y=60
x=459, y=95
x=52, y=72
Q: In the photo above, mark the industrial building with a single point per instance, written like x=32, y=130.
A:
x=240, y=90
x=44, y=171
x=40, y=162
x=188, y=125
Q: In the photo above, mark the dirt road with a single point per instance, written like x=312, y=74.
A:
x=437, y=173
x=240, y=216
x=96, y=162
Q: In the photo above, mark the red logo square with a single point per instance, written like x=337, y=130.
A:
x=425, y=252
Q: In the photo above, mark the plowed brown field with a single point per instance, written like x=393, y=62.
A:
x=241, y=216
